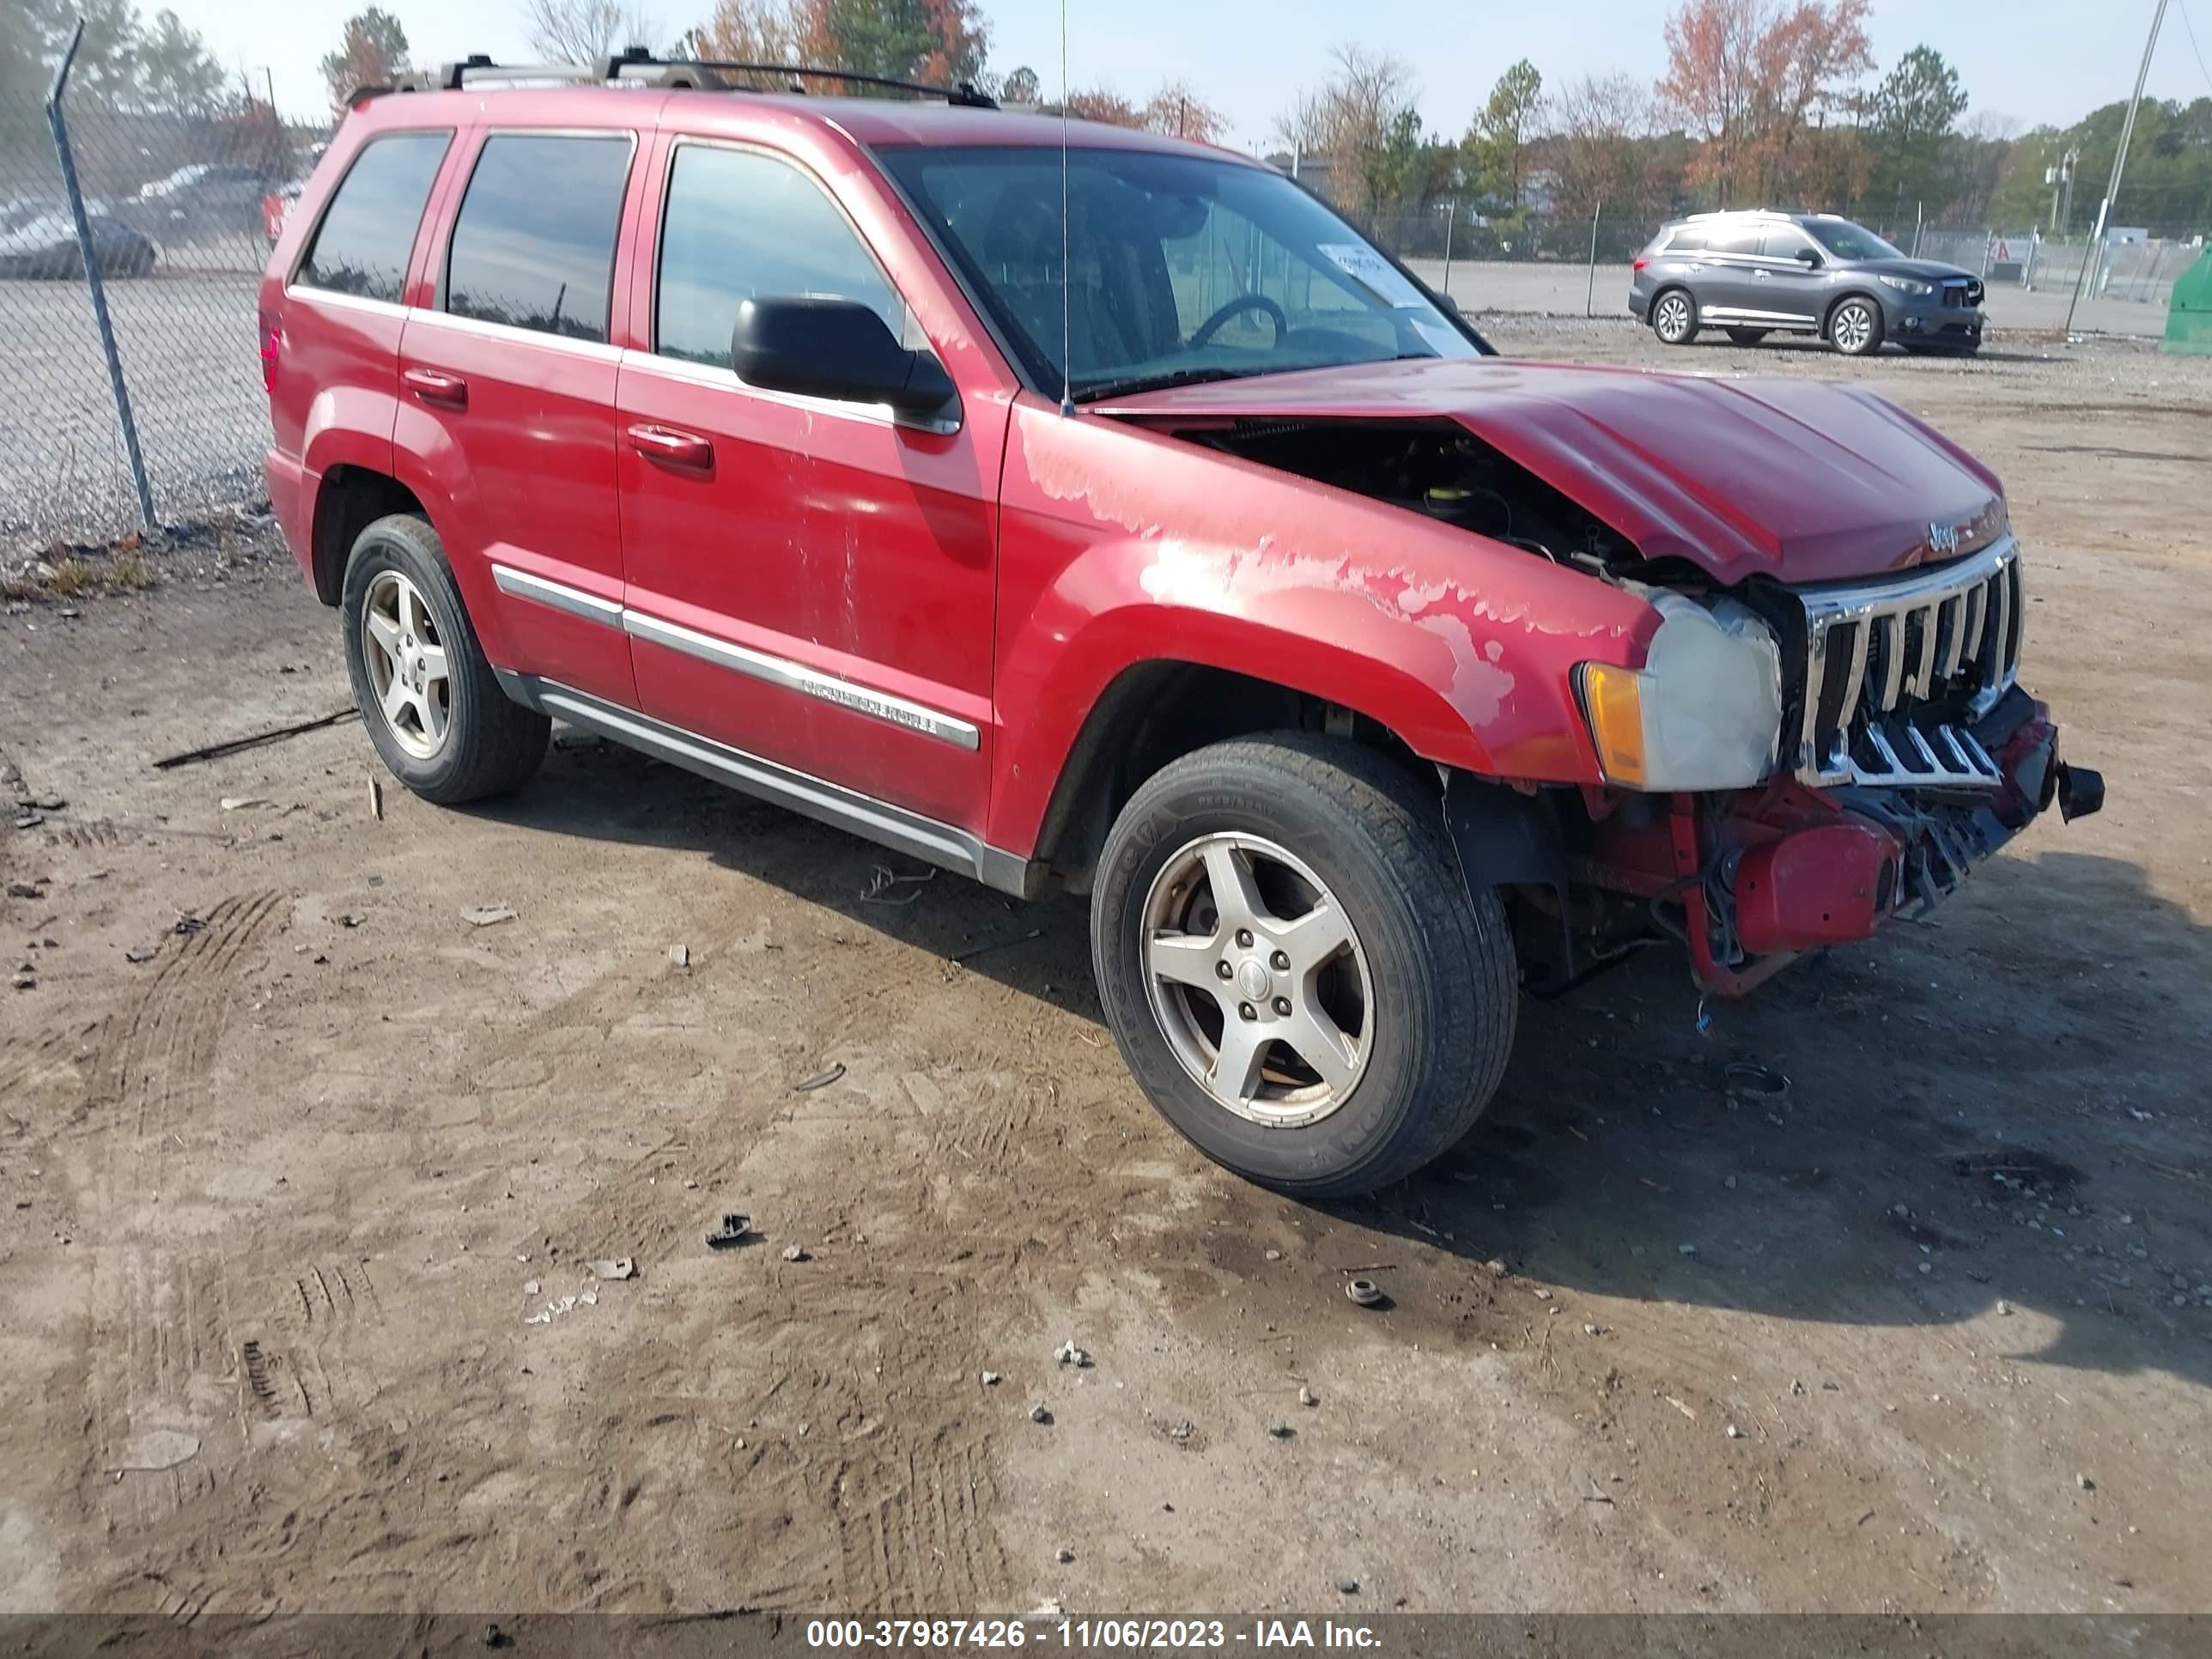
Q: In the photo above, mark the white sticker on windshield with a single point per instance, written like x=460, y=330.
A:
x=1372, y=271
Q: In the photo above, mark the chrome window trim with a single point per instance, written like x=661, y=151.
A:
x=714, y=375
x=597, y=350
x=801, y=791
x=770, y=670
x=345, y=301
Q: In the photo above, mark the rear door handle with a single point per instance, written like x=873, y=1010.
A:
x=435, y=386
x=673, y=447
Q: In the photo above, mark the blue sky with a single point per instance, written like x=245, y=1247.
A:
x=2034, y=60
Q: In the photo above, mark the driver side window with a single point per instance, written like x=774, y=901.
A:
x=739, y=225
x=1785, y=242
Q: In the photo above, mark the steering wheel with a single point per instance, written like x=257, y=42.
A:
x=1237, y=308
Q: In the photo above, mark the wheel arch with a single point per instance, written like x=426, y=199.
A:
x=350, y=499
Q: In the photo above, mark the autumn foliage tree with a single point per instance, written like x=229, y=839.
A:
x=1757, y=82
x=939, y=41
x=373, y=50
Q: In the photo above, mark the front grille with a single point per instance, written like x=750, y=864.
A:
x=1963, y=291
x=1896, y=673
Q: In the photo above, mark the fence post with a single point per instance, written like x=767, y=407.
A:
x=1590, y=295
x=2035, y=248
x=55, y=120
x=1918, y=211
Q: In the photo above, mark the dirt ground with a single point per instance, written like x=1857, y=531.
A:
x=296, y=1213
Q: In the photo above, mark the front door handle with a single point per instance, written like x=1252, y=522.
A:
x=673, y=447
x=435, y=386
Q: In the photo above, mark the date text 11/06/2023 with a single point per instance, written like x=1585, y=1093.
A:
x=1090, y=1635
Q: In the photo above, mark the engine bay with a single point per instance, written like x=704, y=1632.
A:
x=1439, y=470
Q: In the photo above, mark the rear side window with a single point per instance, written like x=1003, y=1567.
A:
x=739, y=225
x=363, y=245
x=533, y=246
x=1743, y=239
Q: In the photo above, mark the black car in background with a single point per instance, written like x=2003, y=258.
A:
x=37, y=239
x=1760, y=272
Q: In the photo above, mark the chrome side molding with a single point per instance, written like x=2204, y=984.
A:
x=783, y=785
x=740, y=659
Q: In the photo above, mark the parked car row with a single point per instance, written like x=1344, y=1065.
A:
x=37, y=239
x=201, y=202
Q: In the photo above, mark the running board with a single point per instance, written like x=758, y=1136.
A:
x=800, y=792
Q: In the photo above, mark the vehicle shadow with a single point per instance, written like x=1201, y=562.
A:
x=2005, y=1103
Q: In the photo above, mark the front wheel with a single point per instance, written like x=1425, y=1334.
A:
x=1293, y=968
x=1855, y=328
x=427, y=692
x=1675, y=318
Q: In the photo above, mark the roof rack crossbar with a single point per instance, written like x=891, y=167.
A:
x=637, y=64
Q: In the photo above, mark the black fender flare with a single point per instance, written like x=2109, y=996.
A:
x=1501, y=835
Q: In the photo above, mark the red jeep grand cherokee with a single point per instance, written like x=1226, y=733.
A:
x=1190, y=555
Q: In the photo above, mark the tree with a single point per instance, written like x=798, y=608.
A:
x=1913, y=110
x=937, y=41
x=1021, y=86
x=580, y=31
x=372, y=50
x=1099, y=104
x=176, y=75
x=1497, y=144
x=1348, y=118
x=1756, y=79
x=1599, y=149
x=1180, y=112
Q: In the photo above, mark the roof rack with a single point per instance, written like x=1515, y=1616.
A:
x=637, y=66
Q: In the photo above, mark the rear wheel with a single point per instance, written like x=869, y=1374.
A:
x=1293, y=968
x=1674, y=317
x=1746, y=337
x=1855, y=327
x=427, y=693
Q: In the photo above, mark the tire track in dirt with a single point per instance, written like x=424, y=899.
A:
x=159, y=1343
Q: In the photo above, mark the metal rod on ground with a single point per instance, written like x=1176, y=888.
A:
x=54, y=119
x=1590, y=295
x=2119, y=167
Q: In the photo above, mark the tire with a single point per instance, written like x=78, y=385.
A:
x=1434, y=967
x=473, y=742
x=1746, y=337
x=1855, y=327
x=1675, y=316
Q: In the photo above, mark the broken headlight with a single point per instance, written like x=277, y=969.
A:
x=1703, y=712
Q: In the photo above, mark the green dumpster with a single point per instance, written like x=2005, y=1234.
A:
x=2189, y=318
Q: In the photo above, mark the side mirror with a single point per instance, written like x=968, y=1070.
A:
x=1809, y=258
x=840, y=348
x=1445, y=303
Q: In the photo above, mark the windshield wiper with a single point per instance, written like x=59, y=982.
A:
x=1133, y=383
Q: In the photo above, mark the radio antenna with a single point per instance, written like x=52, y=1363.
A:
x=1067, y=323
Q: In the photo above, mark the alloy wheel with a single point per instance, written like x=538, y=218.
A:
x=406, y=663
x=1257, y=979
x=1673, y=318
x=1854, y=328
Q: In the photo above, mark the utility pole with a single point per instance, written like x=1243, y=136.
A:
x=2096, y=249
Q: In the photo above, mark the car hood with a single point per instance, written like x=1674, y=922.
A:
x=1928, y=271
x=1803, y=480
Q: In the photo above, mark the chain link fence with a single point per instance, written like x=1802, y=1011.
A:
x=177, y=210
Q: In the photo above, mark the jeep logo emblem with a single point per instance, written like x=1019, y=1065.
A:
x=1942, y=539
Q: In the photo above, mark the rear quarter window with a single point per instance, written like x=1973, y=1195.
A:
x=533, y=246
x=1688, y=241
x=363, y=245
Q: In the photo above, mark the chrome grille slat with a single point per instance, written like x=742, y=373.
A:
x=1948, y=637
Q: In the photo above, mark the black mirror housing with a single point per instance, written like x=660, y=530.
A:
x=840, y=348
x=1809, y=258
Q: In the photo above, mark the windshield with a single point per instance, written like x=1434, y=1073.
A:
x=1849, y=242
x=1177, y=268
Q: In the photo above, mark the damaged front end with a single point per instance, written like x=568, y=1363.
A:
x=1906, y=753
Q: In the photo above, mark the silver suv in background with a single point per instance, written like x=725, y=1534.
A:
x=1762, y=273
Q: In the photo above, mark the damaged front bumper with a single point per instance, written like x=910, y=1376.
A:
x=1763, y=875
